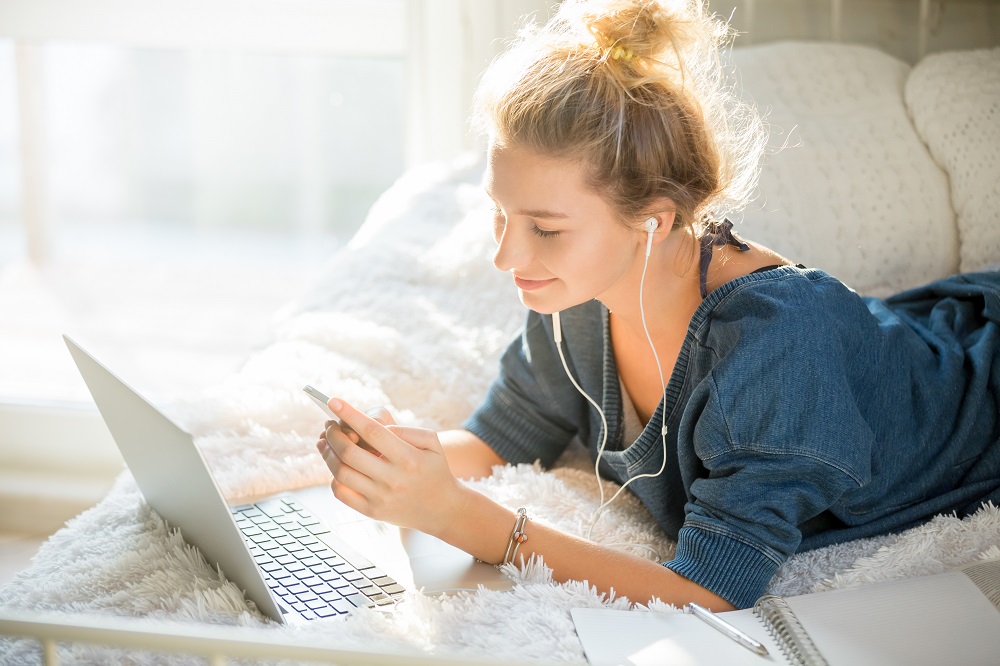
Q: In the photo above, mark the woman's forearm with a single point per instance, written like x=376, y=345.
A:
x=483, y=528
x=468, y=456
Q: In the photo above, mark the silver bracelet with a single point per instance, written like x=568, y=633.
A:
x=517, y=537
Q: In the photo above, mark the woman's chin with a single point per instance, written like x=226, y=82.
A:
x=540, y=305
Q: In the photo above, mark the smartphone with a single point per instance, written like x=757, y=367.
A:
x=321, y=399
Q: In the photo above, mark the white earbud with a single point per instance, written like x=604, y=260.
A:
x=650, y=226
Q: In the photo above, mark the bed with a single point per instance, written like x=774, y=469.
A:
x=884, y=174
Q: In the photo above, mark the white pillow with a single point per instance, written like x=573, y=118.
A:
x=954, y=99
x=849, y=187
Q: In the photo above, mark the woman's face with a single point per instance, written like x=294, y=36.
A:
x=559, y=239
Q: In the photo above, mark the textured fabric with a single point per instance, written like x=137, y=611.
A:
x=799, y=415
x=847, y=185
x=954, y=99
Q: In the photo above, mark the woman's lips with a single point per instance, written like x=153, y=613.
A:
x=531, y=285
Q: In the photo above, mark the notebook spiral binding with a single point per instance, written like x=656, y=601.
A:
x=985, y=574
x=787, y=631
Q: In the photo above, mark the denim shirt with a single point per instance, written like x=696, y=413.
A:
x=798, y=413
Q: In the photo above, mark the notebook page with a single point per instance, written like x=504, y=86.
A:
x=635, y=638
x=935, y=620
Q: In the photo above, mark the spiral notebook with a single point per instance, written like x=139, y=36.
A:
x=952, y=617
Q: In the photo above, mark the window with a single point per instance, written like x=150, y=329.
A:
x=167, y=171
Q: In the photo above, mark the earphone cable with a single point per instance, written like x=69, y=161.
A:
x=604, y=422
x=663, y=428
x=557, y=337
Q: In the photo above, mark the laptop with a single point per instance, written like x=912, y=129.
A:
x=299, y=555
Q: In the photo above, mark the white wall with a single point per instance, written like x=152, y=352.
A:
x=904, y=28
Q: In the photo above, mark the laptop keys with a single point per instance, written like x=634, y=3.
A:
x=317, y=577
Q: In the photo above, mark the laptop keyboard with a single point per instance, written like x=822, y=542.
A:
x=304, y=571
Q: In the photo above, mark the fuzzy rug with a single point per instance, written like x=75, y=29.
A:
x=411, y=315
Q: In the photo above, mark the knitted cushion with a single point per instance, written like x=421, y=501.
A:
x=848, y=186
x=954, y=99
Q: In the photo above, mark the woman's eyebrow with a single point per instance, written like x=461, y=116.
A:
x=539, y=213
x=542, y=214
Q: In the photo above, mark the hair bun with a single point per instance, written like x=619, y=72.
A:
x=663, y=30
x=638, y=29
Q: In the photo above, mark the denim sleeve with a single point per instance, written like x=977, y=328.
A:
x=521, y=418
x=777, y=431
x=732, y=544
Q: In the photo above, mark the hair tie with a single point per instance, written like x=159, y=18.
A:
x=614, y=52
x=618, y=53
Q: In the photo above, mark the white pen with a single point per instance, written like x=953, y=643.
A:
x=718, y=623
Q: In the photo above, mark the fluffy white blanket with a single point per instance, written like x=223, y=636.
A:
x=411, y=315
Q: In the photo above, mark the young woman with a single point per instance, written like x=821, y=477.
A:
x=757, y=408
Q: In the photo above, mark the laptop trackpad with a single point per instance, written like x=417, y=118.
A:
x=438, y=567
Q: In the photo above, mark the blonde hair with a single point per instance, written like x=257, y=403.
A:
x=634, y=90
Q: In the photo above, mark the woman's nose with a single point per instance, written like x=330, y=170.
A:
x=512, y=251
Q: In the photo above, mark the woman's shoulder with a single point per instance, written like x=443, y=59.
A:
x=794, y=293
x=783, y=316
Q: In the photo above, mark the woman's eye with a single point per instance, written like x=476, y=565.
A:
x=543, y=233
x=499, y=222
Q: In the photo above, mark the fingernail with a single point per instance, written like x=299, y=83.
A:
x=335, y=405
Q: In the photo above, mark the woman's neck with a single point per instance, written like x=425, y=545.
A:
x=670, y=291
x=670, y=296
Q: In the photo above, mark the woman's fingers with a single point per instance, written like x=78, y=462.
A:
x=421, y=438
x=382, y=415
x=350, y=465
x=349, y=496
x=377, y=436
x=346, y=447
x=347, y=430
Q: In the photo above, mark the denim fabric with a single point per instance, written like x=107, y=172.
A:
x=799, y=414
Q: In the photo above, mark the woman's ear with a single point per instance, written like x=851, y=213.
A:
x=664, y=211
x=666, y=220
x=660, y=222
x=657, y=227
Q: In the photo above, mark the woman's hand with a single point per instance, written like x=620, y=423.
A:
x=397, y=474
